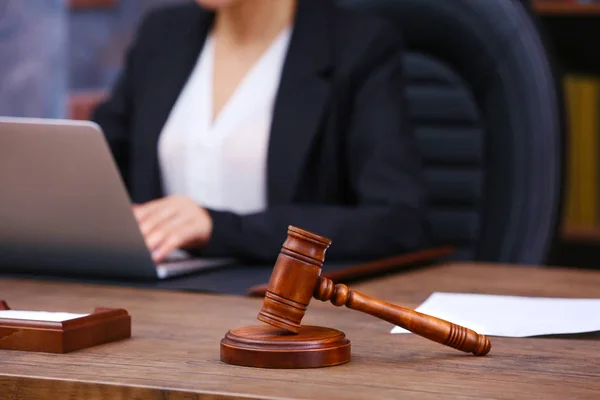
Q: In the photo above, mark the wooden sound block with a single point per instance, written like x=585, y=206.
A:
x=58, y=335
x=265, y=346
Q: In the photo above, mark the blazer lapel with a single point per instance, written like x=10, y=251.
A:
x=168, y=80
x=301, y=99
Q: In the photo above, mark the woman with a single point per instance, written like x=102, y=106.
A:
x=236, y=118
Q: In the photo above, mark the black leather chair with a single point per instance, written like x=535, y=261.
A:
x=486, y=104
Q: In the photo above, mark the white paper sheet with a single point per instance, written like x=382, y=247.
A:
x=39, y=315
x=513, y=316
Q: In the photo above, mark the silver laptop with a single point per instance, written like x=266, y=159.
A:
x=65, y=210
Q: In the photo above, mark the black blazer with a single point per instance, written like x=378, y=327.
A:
x=342, y=160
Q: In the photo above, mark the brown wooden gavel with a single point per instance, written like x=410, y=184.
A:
x=296, y=278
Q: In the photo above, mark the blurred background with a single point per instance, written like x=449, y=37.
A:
x=59, y=58
x=572, y=28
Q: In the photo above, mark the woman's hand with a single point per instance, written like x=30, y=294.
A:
x=170, y=223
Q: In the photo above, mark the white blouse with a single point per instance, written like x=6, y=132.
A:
x=222, y=165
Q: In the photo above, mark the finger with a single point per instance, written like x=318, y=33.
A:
x=178, y=238
x=142, y=211
x=172, y=241
x=163, y=229
x=160, y=216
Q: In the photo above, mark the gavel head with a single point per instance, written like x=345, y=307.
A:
x=293, y=279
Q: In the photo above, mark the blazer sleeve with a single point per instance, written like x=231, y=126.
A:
x=389, y=217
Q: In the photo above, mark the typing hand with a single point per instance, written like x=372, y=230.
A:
x=170, y=223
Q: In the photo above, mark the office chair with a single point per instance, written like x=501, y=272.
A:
x=486, y=106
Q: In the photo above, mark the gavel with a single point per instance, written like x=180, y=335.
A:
x=296, y=279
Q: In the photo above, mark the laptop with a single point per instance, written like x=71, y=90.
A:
x=64, y=208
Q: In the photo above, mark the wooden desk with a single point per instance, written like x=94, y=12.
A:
x=174, y=353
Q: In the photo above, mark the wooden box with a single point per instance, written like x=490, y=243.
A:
x=104, y=325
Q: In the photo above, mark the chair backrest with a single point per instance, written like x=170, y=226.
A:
x=487, y=109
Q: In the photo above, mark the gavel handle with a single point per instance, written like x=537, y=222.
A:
x=432, y=328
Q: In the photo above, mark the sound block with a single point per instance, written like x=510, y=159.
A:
x=51, y=333
x=264, y=346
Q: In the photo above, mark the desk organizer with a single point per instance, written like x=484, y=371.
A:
x=104, y=325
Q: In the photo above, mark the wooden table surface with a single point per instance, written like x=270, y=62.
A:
x=174, y=351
